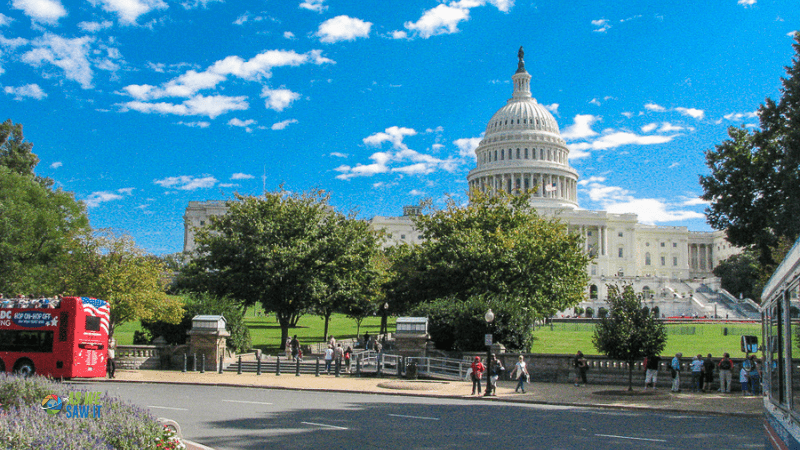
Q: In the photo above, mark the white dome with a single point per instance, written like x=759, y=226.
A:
x=522, y=150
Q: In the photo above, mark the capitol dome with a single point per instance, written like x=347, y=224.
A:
x=522, y=150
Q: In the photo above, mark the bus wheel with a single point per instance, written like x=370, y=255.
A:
x=24, y=368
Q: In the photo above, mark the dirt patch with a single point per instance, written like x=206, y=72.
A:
x=413, y=385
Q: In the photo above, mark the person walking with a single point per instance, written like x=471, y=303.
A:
x=287, y=347
x=675, y=370
x=477, y=372
x=111, y=363
x=651, y=364
x=338, y=356
x=366, y=341
x=696, y=367
x=581, y=367
x=295, y=345
x=521, y=374
x=495, y=370
x=328, y=359
x=348, y=354
x=708, y=374
x=725, y=375
x=754, y=376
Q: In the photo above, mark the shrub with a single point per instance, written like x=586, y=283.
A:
x=602, y=312
x=578, y=310
x=122, y=426
x=589, y=311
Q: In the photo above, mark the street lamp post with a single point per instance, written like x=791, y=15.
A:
x=384, y=322
x=489, y=317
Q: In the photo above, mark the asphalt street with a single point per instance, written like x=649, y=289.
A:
x=228, y=418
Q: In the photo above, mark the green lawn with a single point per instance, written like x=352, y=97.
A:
x=565, y=338
x=568, y=338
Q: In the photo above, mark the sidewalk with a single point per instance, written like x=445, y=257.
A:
x=537, y=393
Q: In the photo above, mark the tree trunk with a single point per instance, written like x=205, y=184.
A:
x=327, y=319
x=285, y=322
x=358, y=328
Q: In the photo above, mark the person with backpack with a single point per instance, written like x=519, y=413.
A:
x=347, y=354
x=725, y=375
x=708, y=374
x=651, y=364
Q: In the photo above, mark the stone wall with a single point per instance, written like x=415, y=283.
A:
x=135, y=357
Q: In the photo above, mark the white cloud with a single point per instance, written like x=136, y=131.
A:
x=242, y=176
x=196, y=124
x=649, y=127
x=56, y=165
x=94, y=199
x=601, y=25
x=211, y=106
x=442, y=19
x=399, y=34
x=503, y=5
x=667, y=127
x=278, y=99
x=314, y=5
x=581, y=127
x=594, y=101
x=235, y=122
x=338, y=154
x=402, y=160
x=5, y=20
x=129, y=10
x=590, y=180
x=792, y=33
x=616, y=139
x=553, y=108
x=696, y=201
x=283, y=124
x=192, y=4
x=674, y=165
x=691, y=112
x=654, y=107
x=343, y=28
x=45, y=11
x=70, y=55
x=187, y=182
x=467, y=146
x=254, y=69
x=739, y=117
x=617, y=200
x=288, y=35
x=746, y=3
x=26, y=91
x=416, y=193
x=94, y=27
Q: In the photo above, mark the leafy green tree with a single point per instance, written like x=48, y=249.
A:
x=38, y=226
x=496, y=247
x=754, y=185
x=114, y=269
x=629, y=333
x=15, y=152
x=741, y=275
x=282, y=250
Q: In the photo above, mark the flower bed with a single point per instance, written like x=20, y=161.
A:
x=24, y=424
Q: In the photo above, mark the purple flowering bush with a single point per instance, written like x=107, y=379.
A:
x=121, y=426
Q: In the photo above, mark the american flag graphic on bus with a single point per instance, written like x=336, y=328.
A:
x=97, y=308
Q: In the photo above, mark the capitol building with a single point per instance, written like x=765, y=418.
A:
x=522, y=149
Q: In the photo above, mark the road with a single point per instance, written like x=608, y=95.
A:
x=244, y=418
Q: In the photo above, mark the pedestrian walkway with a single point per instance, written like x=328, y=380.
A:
x=537, y=393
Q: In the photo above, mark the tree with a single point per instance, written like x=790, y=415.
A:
x=496, y=247
x=741, y=275
x=754, y=185
x=282, y=250
x=629, y=333
x=15, y=153
x=112, y=268
x=38, y=227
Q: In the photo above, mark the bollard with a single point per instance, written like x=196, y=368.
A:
x=184, y=361
x=316, y=373
x=338, y=365
x=399, y=367
x=297, y=368
x=194, y=362
x=358, y=366
x=203, y=363
x=239, y=369
x=278, y=367
x=221, y=364
x=258, y=366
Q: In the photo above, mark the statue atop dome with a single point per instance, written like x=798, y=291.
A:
x=521, y=65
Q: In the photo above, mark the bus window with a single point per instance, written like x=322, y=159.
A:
x=794, y=335
x=26, y=341
x=92, y=323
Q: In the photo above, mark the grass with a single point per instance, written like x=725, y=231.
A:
x=564, y=338
x=568, y=338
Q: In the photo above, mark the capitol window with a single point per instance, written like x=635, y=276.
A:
x=646, y=259
x=620, y=252
x=526, y=153
x=518, y=154
x=663, y=244
x=674, y=245
x=674, y=260
x=620, y=234
x=663, y=260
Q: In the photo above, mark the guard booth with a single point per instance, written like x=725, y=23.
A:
x=208, y=337
x=412, y=336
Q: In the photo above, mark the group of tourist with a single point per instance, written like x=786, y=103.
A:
x=22, y=301
x=702, y=373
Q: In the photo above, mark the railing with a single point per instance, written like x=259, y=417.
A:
x=455, y=369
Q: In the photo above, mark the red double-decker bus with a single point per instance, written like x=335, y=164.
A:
x=66, y=338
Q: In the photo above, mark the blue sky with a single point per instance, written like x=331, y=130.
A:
x=140, y=106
